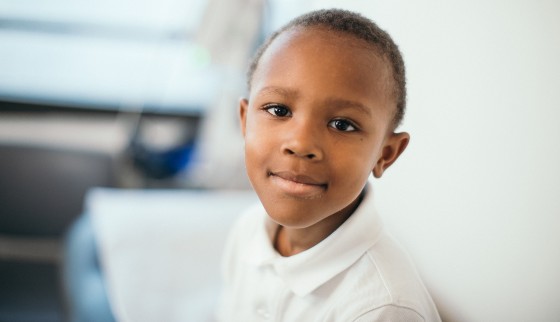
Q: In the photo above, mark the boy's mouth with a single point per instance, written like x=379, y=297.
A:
x=298, y=185
x=297, y=178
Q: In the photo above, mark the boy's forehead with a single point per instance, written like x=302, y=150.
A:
x=334, y=53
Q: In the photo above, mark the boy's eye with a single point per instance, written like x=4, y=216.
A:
x=342, y=125
x=278, y=110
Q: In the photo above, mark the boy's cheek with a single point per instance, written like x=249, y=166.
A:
x=255, y=129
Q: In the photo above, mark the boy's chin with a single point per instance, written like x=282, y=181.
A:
x=291, y=218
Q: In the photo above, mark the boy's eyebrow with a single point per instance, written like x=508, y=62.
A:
x=286, y=92
x=340, y=103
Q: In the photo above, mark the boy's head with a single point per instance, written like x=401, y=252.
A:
x=357, y=26
x=326, y=94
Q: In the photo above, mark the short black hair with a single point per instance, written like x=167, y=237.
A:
x=358, y=26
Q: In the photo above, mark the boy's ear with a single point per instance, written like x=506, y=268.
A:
x=394, y=145
x=243, y=105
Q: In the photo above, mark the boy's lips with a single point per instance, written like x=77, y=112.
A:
x=298, y=185
x=297, y=178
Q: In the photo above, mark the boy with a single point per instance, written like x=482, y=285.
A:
x=326, y=93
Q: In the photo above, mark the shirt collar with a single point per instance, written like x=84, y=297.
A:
x=306, y=271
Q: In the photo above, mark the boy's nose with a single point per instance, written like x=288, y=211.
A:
x=303, y=142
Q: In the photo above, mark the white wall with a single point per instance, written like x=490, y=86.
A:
x=476, y=197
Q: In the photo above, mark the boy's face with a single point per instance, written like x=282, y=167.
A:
x=317, y=122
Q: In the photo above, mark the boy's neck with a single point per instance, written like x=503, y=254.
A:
x=291, y=241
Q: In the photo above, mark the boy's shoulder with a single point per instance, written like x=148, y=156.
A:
x=384, y=283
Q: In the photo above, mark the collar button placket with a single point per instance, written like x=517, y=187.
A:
x=263, y=314
x=263, y=304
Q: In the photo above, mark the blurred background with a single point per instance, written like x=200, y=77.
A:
x=142, y=95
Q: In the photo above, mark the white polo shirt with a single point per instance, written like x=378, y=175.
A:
x=358, y=273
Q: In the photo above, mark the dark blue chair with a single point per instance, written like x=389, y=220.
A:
x=83, y=278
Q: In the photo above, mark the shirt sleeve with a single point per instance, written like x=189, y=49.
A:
x=391, y=313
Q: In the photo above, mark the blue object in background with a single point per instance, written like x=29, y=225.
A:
x=162, y=164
